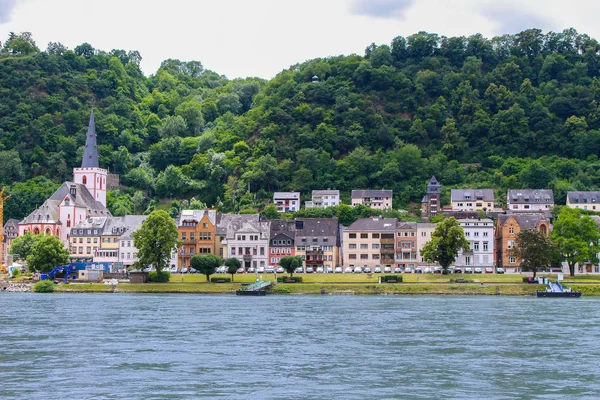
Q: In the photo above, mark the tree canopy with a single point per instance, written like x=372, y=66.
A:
x=48, y=253
x=156, y=240
x=534, y=249
x=447, y=239
x=205, y=264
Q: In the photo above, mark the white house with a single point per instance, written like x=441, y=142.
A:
x=287, y=201
x=473, y=200
x=247, y=239
x=480, y=234
x=324, y=198
x=528, y=200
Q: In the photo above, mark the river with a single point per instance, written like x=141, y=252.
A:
x=128, y=346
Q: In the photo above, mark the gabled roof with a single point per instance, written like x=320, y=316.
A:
x=120, y=225
x=48, y=212
x=373, y=225
x=472, y=194
x=529, y=196
x=324, y=230
x=357, y=194
x=525, y=221
x=283, y=226
x=286, y=195
x=583, y=197
x=197, y=215
x=325, y=192
x=406, y=225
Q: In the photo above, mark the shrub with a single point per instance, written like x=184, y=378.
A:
x=285, y=279
x=161, y=277
x=220, y=280
x=386, y=278
x=43, y=287
x=279, y=289
x=16, y=273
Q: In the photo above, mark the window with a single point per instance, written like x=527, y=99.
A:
x=205, y=236
x=485, y=234
x=88, y=250
x=375, y=235
x=512, y=260
x=364, y=256
x=511, y=230
x=233, y=251
x=352, y=235
x=192, y=235
x=375, y=257
x=375, y=246
x=364, y=246
x=510, y=244
x=364, y=235
x=476, y=234
x=205, y=225
x=485, y=246
x=476, y=246
x=262, y=251
x=352, y=246
x=467, y=260
x=352, y=256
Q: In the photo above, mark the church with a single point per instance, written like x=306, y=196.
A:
x=75, y=201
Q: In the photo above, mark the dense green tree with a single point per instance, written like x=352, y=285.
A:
x=205, y=264
x=290, y=263
x=534, y=249
x=156, y=240
x=23, y=246
x=447, y=239
x=232, y=264
x=48, y=253
x=576, y=237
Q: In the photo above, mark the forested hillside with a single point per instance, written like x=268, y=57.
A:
x=513, y=111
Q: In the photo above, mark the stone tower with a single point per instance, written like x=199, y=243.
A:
x=430, y=205
x=90, y=174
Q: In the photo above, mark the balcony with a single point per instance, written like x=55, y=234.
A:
x=387, y=241
x=388, y=251
x=314, y=252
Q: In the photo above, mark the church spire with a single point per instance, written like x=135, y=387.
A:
x=90, y=153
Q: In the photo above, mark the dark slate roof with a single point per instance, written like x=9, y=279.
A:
x=122, y=224
x=525, y=221
x=373, y=225
x=371, y=193
x=472, y=194
x=406, y=225
x=90, y=152
x=433, y=186
x=584, y=197
x=530, y=196
x=320, y=228
x=48, y=211
x=283, y=226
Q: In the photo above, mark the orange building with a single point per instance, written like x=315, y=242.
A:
x=197, y=232
x=507, y=229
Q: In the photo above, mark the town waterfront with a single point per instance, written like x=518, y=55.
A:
x=151, y=346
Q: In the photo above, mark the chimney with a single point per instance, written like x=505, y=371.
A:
x=73, y=191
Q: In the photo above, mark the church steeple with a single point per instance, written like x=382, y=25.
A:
x=90, y=153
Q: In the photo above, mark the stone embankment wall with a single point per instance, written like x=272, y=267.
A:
x=16, y=287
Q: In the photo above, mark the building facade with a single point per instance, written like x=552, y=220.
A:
x=116, y=243
x=376, y=199
x=508, y=227
x=430, y=205
x=247, y=239
x=369, y=242
x=473, y=200
x=317, y=242
x=197, y=233
x=584, y=200
x=282, y=240
x=85, y=239
x=480, y=234
x=424, y=232
x=324, y=198
x=287, y=201
x=529, y=200
x=406, y=245
x=10, y=231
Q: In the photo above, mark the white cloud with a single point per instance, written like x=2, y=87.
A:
x=240, y=38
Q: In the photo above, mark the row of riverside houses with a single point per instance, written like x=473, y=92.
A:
x=77, y=214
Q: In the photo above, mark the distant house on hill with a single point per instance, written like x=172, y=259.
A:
x=377, y=199
x=529, y=200
x=584, y=200
x=431, y=203
x=473, y=200
x=287, y=201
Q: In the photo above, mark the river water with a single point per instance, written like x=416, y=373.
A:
x=124, y=346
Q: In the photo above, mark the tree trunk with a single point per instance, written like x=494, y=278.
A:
x=231, y=277
x=572, y=269
x=207, y=277
x=534, y=272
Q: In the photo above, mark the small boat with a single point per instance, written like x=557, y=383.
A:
x=557, y=290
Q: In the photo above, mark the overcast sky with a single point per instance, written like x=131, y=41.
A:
x=241, y=38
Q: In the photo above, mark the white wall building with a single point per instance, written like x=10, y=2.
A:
x=324, y=198
x=247, y=239
x=524, y=200
x=287, y=201
x=424, y=232
x=480, y=234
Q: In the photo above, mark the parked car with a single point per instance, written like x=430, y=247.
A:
x=309, y=270
x=348, y=270
x=338, y=270
x=478, y=271
x=329, y=270
x=193, y=270
x=489, y=270
x=184, y=270
x=251, y=270
x=377, y=270
x=397, y=270
x=299, y=270
x=408, y=270
x=418, y=270
x=468, y=270
x=358, y=270
x=260, y=270
x=437, y=270
x=280, y=270
x=173, y=269
x=387, y=270
x=367, y=270
x=499, y=270
x=270, y=269
x=240, y=271
x=319, y=270
x=458, y=270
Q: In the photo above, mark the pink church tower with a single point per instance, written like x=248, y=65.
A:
x=90, y=174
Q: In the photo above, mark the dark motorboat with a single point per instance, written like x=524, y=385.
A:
x=557, y=290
